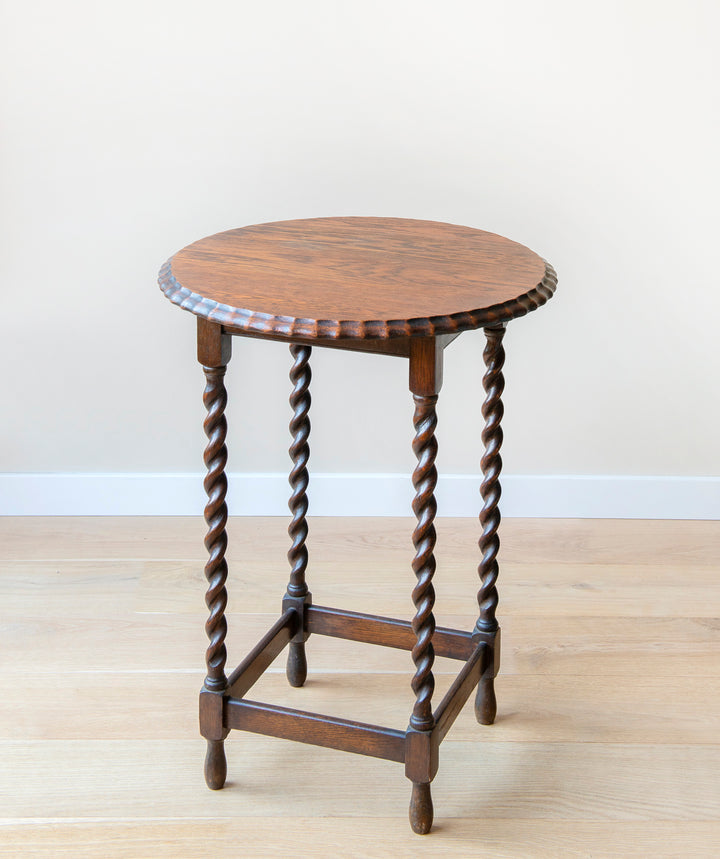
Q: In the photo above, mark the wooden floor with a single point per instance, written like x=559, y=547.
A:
x=607, y=742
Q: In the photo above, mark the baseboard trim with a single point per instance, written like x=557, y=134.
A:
x=258, y=494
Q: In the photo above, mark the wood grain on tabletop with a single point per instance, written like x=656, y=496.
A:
x=357, y=278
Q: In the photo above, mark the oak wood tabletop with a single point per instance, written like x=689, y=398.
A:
x=358, y=278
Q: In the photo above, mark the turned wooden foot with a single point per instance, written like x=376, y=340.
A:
x=421, y=809
x=296, y=664
x=215, y=764
x=485, y=701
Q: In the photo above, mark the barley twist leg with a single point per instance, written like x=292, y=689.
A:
x=489, y=543
x=215, y=399
x=300, y=376
x=424, y=507
x=423, y=624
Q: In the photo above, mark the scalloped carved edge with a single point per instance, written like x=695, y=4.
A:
x=375, y=329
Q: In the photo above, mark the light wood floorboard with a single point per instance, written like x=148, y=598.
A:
x=606, y=742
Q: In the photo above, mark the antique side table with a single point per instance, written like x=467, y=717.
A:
x=383, y=285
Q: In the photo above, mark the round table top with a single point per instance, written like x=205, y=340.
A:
x=358, y=278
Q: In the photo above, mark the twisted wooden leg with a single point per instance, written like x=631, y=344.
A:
x=297, y=590
x=215, y=399
x=421, y=752
x=492, y=436
x=423, y=624
x=424, y=507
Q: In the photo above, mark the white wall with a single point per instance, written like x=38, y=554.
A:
x=587, y=131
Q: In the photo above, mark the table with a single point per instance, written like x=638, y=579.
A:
x=391, y=286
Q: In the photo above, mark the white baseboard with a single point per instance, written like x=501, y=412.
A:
x=257, y=494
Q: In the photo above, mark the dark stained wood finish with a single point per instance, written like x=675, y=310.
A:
x=421, y=808
x=215, y=398
x=398, y=346
x=485, y=700
x=385, y=631
x=426, y=365
x=461, y=689
x=214, y=346
x=357, y=278
x=262, y=656
x=489, y=543
x=425, y=382
x=215, y=765
x=426, y=362
x=211, y=715
x=421, y=755
x=424, y=536
x=297, y=589
x=315, y=729
x=296, y=667
x=214, y=350
x=383, y=285
x=490, y=490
